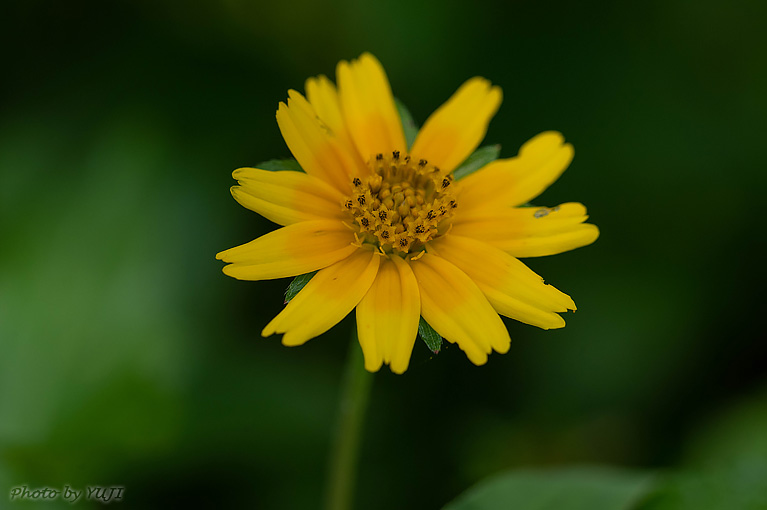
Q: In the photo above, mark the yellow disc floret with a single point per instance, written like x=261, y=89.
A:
x=402, y=204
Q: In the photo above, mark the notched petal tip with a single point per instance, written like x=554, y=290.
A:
x=237, y=173
x=548, y=145
x=369, y=59
x=549, y=138
x=554, y=134
x=592, y=233
x=230, y=269
x=268, y=330
x=342, y=67
x=475, y=358
x=558, y=324
x=479, y=82
x=568, y=304
x=294, y=339
x=399, y=370
x=503, y=349
x=373, y=367
x=320, y=79
x=455, y=129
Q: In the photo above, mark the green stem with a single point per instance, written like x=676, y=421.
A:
x=351, y=413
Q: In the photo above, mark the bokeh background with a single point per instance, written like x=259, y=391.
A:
x=127, y=357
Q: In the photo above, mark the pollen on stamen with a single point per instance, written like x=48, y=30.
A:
x=401, y=205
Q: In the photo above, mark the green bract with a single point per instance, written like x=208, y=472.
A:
x=477, y=160
x=275, y=165
x=298, y=283
x=432, y=338
x=408, y=124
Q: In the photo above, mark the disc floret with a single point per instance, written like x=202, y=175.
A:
x=401, y=204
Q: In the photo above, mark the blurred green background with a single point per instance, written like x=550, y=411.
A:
x=127, y=357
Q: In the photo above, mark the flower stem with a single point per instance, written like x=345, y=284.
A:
x=351, y=413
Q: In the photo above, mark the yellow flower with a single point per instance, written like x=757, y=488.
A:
x=392, y=233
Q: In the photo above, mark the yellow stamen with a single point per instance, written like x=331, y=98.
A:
x=402, y=205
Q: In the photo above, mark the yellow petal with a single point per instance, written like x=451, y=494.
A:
x=326, y=299
x=518, y=180
x=455, y=307
x=509, y=285
x=388, y=315
x=286, y=197
x=452, y=132
x=322, y=95
x=313, y=144
x=368, y=107
x=579, y=236
x=529, y=231
x=289, y=251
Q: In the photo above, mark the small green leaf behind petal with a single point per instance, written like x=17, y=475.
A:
x=477, y=160
x=275, y=165
x=408, y=124
x=432, y=338
x=577, y=488
x=298, y=283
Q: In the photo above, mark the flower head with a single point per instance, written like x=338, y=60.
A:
x=393, y=233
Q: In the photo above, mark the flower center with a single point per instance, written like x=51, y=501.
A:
x=402, y=204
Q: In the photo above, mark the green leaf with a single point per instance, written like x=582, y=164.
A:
x=274, y=165
x=432, y=338
x=298, y=283
x=408, y=124
x=578, y=488
x=477, y=160
x=740, y=486
x=726, y=464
